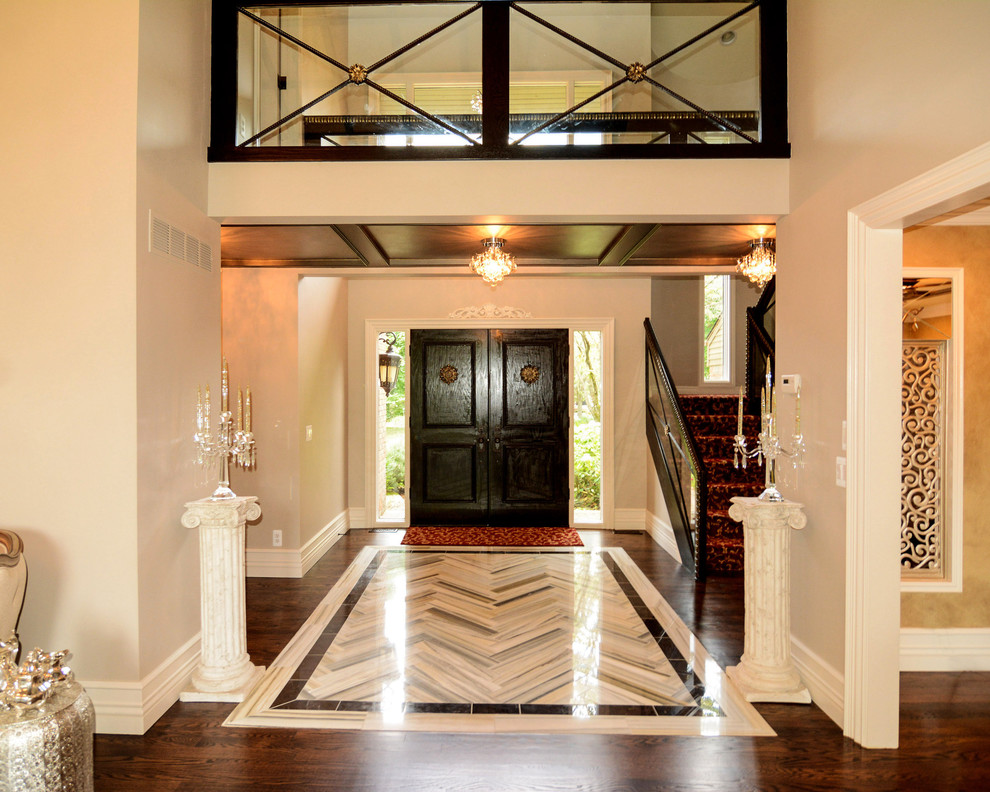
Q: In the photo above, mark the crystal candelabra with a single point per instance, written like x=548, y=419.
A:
x=768, y=446
x=224, y=443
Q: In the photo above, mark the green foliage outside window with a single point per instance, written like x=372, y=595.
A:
x=395, y=469
x=587, y=465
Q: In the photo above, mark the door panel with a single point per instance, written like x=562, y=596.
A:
x=489, y=427
x=451, y=397
x=449, y=427
x=529, y=422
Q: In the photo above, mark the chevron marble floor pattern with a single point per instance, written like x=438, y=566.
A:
x=570, y=639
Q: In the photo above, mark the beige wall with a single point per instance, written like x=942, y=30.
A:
x=178, y=320
x=627, y=300
x=556, y=191
x=105, y=341
x=676, y=313
x=861, y=77
x=286, y=336
x=322, y=402
x=261, y=343
x=969, y=248
x=68, y=314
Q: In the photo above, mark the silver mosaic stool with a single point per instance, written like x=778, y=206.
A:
x=49, y=748
x=46, y=718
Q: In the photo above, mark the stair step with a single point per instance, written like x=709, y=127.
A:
x=723, y=424
x=725, y=557
x=720, y=495
x=714, y=421
x=721, y=471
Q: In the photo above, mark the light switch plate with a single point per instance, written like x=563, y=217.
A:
x=790, y=383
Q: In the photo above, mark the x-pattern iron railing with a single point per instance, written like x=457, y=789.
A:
x=636, y=72
x=357, y=74
x=765, y=128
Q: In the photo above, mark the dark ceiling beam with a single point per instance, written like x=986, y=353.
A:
x=289, y=263
x=360, y=239
x=630, y=239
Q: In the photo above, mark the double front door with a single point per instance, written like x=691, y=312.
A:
x=489, y=420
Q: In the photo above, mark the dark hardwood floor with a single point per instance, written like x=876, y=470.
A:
x=945, y=726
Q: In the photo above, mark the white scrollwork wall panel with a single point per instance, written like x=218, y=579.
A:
x=923, y=434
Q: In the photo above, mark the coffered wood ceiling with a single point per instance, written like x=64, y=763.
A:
x=406, y=246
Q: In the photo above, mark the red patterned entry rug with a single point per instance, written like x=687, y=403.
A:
x=493, y=537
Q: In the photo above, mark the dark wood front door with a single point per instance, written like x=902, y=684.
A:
x=488, y=427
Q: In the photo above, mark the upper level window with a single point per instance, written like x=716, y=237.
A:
x=498, y=79
x=716, y=326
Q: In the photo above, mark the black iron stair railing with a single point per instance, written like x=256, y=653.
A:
x=680, y=467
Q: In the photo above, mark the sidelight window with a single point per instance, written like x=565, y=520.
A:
x=587, y=426
x=390, y=468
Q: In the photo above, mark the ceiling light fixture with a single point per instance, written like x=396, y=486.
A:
x=494, y=263
x=760, y=264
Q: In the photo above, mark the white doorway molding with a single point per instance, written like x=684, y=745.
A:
x=871, y=707
x=482, y=318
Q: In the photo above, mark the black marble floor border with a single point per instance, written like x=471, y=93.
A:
x=704, y=705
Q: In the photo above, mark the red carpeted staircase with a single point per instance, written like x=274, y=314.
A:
x=713, y=421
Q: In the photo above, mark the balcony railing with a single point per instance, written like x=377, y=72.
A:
x=498, y=79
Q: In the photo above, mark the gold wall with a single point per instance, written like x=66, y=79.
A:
x=967, y=247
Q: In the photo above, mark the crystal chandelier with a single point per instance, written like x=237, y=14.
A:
x=760, y=264
x=494, y=263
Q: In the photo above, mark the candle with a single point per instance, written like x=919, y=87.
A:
x=763, y=409
x=773, y=409
x=240, y=411
x=199, y=409
x=206, y=411
x=247, y=409
x=223, y=385
x=739, y=424
x=797, y=412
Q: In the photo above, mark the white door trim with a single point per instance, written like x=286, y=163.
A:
x=872, y=405
x=606, y=326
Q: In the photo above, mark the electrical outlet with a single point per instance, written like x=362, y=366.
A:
x=276, y=538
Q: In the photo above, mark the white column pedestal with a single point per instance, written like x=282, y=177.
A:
x=766, y=671
x=225, y=671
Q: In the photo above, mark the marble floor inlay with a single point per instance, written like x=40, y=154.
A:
x=452, y=639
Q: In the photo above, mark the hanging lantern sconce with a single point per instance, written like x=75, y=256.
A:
x=388, y=363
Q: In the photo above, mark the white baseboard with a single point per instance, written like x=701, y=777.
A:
x=826, y=685
x=133, y=707
x=954, y=649
x=282, y=562
x=328, y=536
x=356, y=517
x=663, y=534
x=629, y=520
x=278, y=562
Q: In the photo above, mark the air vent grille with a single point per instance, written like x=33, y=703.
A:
x=159, y=235
x=206, y=256
x=170, y=241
